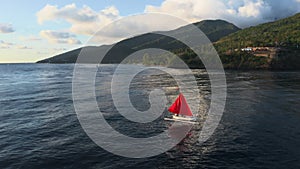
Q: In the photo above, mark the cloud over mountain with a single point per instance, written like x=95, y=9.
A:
x=243, y=13
x=59, y=37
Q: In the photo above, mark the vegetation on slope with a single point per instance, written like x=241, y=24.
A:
x=284, y=33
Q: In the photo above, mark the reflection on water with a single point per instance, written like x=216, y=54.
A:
x=39, y=127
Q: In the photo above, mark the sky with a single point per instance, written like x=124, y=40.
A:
x=34, y=30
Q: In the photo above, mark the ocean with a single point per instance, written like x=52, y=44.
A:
x=39, y=127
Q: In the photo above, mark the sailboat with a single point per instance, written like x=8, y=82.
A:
x=181, y=111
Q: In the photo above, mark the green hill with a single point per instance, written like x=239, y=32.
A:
x=285, y=32
x=216, y=29
x=277, y=43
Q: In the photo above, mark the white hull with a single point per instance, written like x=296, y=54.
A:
x=184, y=118
x=190, y=120
x=178, y=120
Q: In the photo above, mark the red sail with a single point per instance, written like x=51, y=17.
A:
x=181, y=107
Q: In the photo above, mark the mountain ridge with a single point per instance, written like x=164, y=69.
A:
x=273, y=45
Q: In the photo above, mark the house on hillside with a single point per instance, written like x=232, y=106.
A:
x=248, y=49
x=269, y=52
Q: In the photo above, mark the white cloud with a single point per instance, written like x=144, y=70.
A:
x=253, y=9
x=189, y=9
x=23, y=47
x=241, y=12
x=5, y=45
x=135, y=25
x=59, y=37
x=9, y=45
x=6, y=28
x=59, y=49
x=83, y=20
x=31, y=38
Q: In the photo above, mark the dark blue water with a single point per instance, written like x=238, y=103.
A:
x=39, y=128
